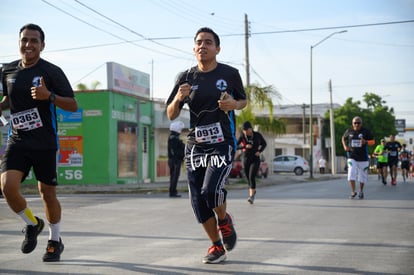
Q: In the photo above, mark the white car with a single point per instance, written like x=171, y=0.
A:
x=290, y=163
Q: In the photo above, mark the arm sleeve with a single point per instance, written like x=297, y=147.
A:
x=370, y=139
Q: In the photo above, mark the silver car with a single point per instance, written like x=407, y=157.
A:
x=290, y=163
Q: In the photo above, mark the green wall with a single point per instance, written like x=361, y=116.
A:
x=109, y=139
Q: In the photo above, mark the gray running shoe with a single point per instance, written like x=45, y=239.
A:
x=216, y=254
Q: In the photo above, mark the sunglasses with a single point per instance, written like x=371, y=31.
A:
x=357, y=122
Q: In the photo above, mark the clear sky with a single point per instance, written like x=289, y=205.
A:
x=156, y=37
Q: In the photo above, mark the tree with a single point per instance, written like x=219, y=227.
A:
x=84, y=87
x=259, y=98
x=377, y=117
x=382, y=120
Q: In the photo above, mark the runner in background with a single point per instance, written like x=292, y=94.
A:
x=405, y=157
x=382, y=160
x=393, y=147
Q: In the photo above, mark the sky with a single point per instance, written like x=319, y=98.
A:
x=374, y=55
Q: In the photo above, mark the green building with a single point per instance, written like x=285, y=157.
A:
x=117, y=136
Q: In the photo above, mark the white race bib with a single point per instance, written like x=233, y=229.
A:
x=26, y=120
x=356, y=143
x=210, y=134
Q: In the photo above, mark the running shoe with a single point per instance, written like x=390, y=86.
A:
x=353, y=195
x=361, y=195
x=53, y=251
x=393, y=182
x=228, y=232
x=31, y=231
x=250, y=199
x=216, y=254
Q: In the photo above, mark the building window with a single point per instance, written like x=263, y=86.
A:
x=278, y=151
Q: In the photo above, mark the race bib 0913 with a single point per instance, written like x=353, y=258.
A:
x=210, y=134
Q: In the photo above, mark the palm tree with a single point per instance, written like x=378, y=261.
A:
x=259, y=98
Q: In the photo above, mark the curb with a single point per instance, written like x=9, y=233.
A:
x=163, y=187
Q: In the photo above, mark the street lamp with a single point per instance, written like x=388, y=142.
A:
x=311, y=103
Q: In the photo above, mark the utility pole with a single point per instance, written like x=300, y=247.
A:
x=332, y=126
x=311, y=103
x=246, y=46
x=303, y=122
x=303, y=129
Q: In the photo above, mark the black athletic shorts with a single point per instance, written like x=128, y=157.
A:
x=392, y=161
x=44, y=163
x=207, y=172
x=382, y=164
x=405, y=165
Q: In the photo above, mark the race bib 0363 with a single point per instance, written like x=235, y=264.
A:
x=26, y=120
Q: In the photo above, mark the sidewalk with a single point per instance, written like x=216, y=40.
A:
x=162, y=186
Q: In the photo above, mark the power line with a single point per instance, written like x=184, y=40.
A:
x=180, y=9
x=380, y=84
x=190, y=37
x=128, y=29
x=182, y=15
x=100, y=29
x=328, y=28
x=94, y=70
x=259, y=76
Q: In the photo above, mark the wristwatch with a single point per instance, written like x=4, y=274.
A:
x=52, y=97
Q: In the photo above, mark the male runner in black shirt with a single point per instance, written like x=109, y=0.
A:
x=212, y=91
x=393, y=147
x=32, y=88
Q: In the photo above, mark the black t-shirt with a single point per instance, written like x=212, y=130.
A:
x=175, y=147
x=203, y=100
x=393, y=148
x=352, y=138
x=256, y=140
x=34, y=133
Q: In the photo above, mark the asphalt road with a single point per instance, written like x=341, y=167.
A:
x=293, y=228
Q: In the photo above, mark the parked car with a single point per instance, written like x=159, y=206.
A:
x=290, y=163
x=237, y=169
x=263, y=168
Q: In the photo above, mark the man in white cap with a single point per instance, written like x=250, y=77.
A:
x=175, y=156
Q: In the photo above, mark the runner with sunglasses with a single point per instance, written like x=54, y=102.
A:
x=355, y=141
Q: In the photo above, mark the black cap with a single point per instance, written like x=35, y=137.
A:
x=247, y=125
